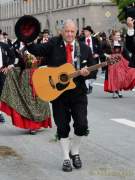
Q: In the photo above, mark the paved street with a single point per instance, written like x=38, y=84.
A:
x=107, y=153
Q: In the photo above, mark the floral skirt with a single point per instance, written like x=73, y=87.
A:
x=18, y=99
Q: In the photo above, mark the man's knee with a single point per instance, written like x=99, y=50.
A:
x=63, y=133
x=81, y=131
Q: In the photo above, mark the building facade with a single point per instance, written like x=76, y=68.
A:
x=100, y=14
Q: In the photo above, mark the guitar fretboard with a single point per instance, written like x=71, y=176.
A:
x=90, y=68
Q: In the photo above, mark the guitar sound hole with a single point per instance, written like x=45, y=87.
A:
x=61, y=87
x=64, y=78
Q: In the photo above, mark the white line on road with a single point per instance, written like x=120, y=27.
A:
x=125, y=122
x=98, y=84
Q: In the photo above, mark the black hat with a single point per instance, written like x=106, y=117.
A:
x=103, y=34
x=27, y=28
x=88, y=28
x=5, y=34
x=46, y=31
x=130, y=12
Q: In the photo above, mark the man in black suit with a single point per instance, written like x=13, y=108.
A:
x=6, y=39
x=95, y=46
x=7, y=59
x=130, y=40
x=72, y=103
x=45, y=37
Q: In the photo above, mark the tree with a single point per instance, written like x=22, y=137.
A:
x=122, y=4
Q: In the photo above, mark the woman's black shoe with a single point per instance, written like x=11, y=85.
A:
x=2, y=119
x=77, y=163
x=67, y=166
x=119, y=94
x=32, y=132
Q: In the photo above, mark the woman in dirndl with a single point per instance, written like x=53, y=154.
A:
x=19, y=100
x=119, y=76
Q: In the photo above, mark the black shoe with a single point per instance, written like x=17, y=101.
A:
x=32, y=132
x=2, y=119
x=119, y=94
x=89, y=90
x=115, y=95
x=67, y=166
x=77, y=163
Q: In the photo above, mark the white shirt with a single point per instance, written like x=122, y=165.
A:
x=1, y=62
x=116, y=43
x=91, y=45
x=21, y=46
x=130, y=32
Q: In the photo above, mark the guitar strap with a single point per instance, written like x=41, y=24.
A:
x=76, y=61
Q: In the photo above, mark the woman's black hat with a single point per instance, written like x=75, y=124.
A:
x=27, y=28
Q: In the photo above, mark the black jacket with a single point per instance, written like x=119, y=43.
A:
x=96, y=50
x=130, y=45
x=95, y=43
x=55, y=52
x=8, y=55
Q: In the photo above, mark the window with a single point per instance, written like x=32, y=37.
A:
x=78, y=2
x=66, y=3
x=77, y=23
x=57, y=4
x=83, y=1
x=72, y=2
x=61, y=22
x=52, y=4
x=62, y=4
x=57, y=22
x=48, y=3
x=83, y=22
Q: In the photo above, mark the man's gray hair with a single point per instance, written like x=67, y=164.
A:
x=68, y=21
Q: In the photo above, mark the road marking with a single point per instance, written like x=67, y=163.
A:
x=125, y=122
x=98, y=84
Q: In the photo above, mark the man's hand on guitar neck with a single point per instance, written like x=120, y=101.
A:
x=84, y=72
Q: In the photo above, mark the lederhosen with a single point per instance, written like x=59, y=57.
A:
x=72, y=103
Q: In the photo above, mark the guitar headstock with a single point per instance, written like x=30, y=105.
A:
x=113, y=58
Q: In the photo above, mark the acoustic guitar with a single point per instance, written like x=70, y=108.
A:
x=50, y=82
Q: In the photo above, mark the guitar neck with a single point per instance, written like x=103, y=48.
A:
x=97, y=66
x=90, y=68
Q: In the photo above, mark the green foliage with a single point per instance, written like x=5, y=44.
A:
x=121, y=5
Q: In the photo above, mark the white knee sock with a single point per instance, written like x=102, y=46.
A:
x=65, y=143
x=75, y=144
